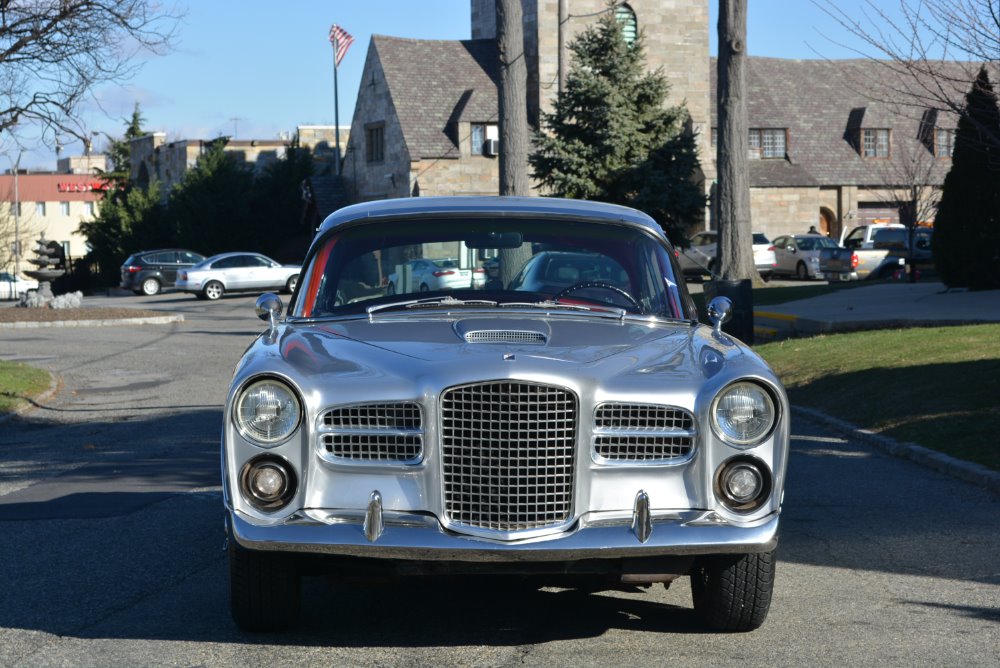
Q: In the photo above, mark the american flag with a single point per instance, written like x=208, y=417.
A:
x=341, y=41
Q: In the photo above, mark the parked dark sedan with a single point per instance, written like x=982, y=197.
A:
x=147, y=272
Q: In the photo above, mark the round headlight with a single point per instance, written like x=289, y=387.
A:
x=267, y=412
x=743, y=414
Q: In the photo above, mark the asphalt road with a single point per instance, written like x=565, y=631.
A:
x=111, y=543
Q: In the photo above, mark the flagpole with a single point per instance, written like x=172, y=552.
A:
x=336, y=104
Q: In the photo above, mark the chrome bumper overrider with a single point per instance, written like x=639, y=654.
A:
x=418, y=537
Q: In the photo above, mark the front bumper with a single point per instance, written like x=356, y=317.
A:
x=422, y=538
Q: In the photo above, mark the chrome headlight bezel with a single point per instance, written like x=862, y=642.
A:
x=743, y=504
x=288, y=400
x=758, y=435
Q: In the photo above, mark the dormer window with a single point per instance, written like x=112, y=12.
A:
x=767, y=143
x=944, y=142
x=875, y=143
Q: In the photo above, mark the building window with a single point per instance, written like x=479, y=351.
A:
x=375, y=143
x=944, y=142
x=626, y=19
x=64, y=208
x=875, y=143
x=481, y=133
x=767, y=143
x=88, y=208
x=715, y=137
x=39, y=208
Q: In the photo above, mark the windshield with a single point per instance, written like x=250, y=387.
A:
x=484, y=260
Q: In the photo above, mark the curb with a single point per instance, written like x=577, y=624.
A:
x=966, y=471
x=154, y=320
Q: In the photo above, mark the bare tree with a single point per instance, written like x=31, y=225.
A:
x=54, y=53
x=911, y=183
x=512, y=100
x=735, y=249
x=929, y=50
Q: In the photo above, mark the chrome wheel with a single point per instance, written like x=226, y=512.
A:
x=214, y=290
x=150, y=287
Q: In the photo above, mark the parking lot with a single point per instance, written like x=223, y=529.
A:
x=111, y=513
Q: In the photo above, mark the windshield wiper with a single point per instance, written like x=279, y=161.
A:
x=616, y=311
x=431, y=302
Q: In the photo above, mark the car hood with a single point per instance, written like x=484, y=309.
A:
x=359, y=355
x=576, y=340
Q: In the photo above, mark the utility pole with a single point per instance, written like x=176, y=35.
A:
x=236, y=125
x=17, y=218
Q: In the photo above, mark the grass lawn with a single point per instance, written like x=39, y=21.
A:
x=937, y=387
x=19, y=382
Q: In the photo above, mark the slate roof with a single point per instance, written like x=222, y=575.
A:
x=434, y=83
x=820, y=104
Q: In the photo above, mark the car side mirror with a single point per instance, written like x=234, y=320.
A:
x=720, y=310
x=269, y=307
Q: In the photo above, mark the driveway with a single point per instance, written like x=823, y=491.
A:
x=111, y=518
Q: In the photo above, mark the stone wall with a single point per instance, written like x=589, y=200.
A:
x=777, y=211
x=389, y=177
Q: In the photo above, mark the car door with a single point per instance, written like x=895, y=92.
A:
x=240, y=273
x=166, y=262
x=783, y=258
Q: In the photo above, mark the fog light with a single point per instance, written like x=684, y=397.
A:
x=743, y=484
x=268, y=482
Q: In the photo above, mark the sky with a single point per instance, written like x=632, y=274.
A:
x=254, y=69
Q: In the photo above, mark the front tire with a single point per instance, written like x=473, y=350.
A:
x=264, y=589
x=213, y=290
x=732, y=592
x=801, y=272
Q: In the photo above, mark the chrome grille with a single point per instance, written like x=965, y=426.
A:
x=643, y=433
x=505, y=336
x=507, y=455
x=385, y=432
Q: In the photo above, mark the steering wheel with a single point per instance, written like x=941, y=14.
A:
x=599, y=284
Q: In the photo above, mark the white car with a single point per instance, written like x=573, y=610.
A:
x=699, y=258
x=237, y=272
x=12, y=287
x=429, y=275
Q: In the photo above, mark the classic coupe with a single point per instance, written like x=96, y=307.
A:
x=591, y=432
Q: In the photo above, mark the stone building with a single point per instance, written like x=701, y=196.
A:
x=152, y=157
x=822, y=153
x=425, y=120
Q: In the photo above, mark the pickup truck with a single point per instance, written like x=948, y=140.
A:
x=875, y=251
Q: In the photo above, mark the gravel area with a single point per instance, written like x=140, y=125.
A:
x=18, y=314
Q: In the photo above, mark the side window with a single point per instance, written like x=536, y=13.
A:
x=187, y=257
x=226, y=263
x=164, y=258
x=855, y=238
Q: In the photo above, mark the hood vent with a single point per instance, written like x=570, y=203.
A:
x=506, y=336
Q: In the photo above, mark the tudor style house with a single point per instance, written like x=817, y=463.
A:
x=821, y=152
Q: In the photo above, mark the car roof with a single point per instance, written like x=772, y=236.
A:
x=417, y=208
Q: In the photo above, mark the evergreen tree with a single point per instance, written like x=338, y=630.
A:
x=610, y=137
x=211, y=207
x=966, y=241
x=127, y=219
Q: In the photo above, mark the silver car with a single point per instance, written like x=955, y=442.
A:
x=595, y=431
x=236, y=272
x=798, y=255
